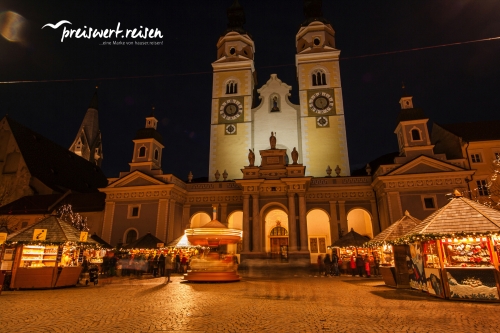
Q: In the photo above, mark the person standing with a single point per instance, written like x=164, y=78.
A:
x=169, y=262
x=320, y=264
x=328, y=265
x=161, y=264
x=184, y=261
x=376, y=260
x=353, y=265
x=360, y=264
x=367, y=266
x=335, y=264
x=177, y=262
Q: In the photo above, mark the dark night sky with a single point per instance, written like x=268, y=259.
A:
x=452, y=84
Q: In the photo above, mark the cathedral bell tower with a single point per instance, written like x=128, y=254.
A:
x=234, y=79
x=323, y=133
x=148, y=148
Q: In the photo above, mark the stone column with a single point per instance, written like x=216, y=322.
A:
x=256, y=232
x=334, y=228
x=292, y=223
x=303, y=222
x=107, y=226
x=246, y=223
x=343, y=217
x=162, y=220
x=186, y=209
x=170, y=221
x=375, y=224
x=223, y=214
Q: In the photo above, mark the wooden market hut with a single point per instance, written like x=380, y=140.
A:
x=394, y=266
x=351, y=243
x=146, y=242
x=47, y=254
x=459, y=247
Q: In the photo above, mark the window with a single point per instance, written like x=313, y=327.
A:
x=156, y=154
x=475, y=158
x=142, y=151
x=415, y=135
x=497, y=156
x=318, y=78
x=317, y=245
x=131, y=236
x=482, y=187
x=134, y=211
x=231, y=87
x=429, y=203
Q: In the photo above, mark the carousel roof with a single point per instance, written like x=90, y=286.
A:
x=460, y=215
x=352, y=238
x=396, y=230
x=148, y=241
x=58, y=231
x=214, y=224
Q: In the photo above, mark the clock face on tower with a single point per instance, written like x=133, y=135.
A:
x=231, y=109
x=321, y=102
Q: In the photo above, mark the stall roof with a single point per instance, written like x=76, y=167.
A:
x=396, y=230
x=58, y=231
x=460, y=215
x=352, y=238
x=180, y=242
x=148, y=241
x=101, y=241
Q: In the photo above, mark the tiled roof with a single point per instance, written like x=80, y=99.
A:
x=56, y=166
x=460, y=215
x=101, y=241
x=44, y=204
x=148, y=241
x=475, y=131
x=410, y=114
x=58, y=231
x=352, y=238
x=148, y=133
x=398, y=229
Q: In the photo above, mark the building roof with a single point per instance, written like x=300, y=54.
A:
x=396, y=230
x=352, y=238
x=55, y=166
x=376, y=163
x=45, y=204
x=58, y=231
x=475, y=131
x=148, y=241
x=148, y=133
x=460, y=215
x=410, y=114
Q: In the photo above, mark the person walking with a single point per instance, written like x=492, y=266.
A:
x=360, y=264
x=161, y=264
x=376, y=260
x=169, y=264
x=335, y=264
x=367, y=266
x=328, y=265
x=177, y=263
x=353, y=265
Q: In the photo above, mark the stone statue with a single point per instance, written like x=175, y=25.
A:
x=272, y=140
x=275, y=107
x=295, y=155
x=251, y=157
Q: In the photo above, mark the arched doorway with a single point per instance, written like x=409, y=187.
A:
x=199, y=220
x=235, y=221
x=361, y=221
x=276, y=230
x=318, y=231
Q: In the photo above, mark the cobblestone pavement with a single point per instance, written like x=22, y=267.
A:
x=290, y=303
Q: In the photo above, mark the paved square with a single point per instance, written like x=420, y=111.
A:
x=289, y=303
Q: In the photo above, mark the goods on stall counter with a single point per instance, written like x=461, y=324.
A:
x=467, y=253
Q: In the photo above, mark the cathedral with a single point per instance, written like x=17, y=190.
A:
x=291, y=190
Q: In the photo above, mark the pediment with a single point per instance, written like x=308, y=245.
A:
x=135, y=178
x=424, y=164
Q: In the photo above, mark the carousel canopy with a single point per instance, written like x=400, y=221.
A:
x=352, y=238
x=147, y=241
x=213, y=234
x=396, y=230
x=58, y=231
x=460, y=216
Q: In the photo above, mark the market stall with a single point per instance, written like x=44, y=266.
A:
x=395, y=267
x=350, y=245
x=137, y=257
x=459, y=250
x=47, y=254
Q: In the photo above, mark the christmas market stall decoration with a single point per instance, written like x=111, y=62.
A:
x=145, y=245
x=47, y=254
x=458, y=250
x=209, y=266
x=96, y=256
x=140, y=255
x=395, y=267
x=350, y=245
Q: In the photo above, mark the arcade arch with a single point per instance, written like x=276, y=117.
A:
x=199, y=220
x=318, y=231
x=361, y=221
x=235, y=221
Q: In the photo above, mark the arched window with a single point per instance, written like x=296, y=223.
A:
x=415, y=135
x=318, y=78
x=156, y=154
x=231, y=87
x=142, y=151
x=131, y=236
x=279, y=231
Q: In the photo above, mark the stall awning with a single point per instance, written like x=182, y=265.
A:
x=396, y=230
x=148, y=241
x=352, y=238
x=57, y=231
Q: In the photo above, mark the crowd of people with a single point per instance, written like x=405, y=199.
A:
x=356, y=265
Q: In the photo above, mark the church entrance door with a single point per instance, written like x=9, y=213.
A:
x=279, y=247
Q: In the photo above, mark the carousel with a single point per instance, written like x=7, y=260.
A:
x=211, y=266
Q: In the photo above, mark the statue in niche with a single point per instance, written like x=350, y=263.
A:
x=295, y=155
x=272, y=140
x=251, y=157
x=275, y=107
